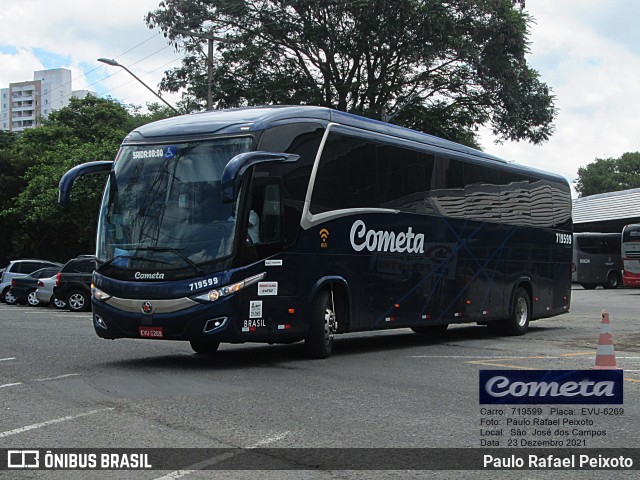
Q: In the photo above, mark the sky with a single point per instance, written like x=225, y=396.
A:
x=587, y=51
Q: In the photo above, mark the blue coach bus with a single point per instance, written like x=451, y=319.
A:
x=283, y=224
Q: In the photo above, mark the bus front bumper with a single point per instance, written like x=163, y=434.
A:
x=180, y=319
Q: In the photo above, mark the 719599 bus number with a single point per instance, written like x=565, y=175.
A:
x=564, y=238
x=208, y=282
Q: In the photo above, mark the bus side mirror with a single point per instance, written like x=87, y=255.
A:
x=66, y=182
x=232, y=174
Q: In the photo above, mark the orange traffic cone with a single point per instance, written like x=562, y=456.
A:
x=605, y=357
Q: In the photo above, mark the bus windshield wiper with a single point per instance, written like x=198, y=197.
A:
x=128, y=257
x=175, y=251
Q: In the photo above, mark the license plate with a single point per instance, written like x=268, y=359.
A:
x=151, y=332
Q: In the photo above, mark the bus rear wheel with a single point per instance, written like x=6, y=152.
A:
x=204, y=348
x=518, y=322
x=319, y=340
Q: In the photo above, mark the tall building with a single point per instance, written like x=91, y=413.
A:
x=25, y=104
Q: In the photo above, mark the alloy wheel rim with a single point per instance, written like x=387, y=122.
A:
x=521, y=312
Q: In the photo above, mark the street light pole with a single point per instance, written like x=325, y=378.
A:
x=113, y=63
x=209, y=38
x=209, y=74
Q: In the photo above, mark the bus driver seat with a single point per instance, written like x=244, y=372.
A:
x=253, y=227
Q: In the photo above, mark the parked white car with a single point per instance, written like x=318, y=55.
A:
x=44, y=292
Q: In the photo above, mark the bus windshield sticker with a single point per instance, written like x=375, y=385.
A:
x=170, y=152
x=166, y=152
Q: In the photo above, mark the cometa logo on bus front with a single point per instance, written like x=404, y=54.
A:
x=384, y=241
x=148, y=276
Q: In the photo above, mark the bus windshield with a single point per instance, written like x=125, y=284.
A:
x=162, y=205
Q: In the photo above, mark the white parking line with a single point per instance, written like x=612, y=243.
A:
x=10, y=384
x=493, y=357
x=269, y=440
x=219, y=458
x=56, y=378
x=51, y=422
x=67, y=375
x=7, y=359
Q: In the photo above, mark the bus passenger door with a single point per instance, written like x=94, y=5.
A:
x=261, y=240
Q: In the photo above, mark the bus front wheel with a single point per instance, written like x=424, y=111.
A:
x=319, y=340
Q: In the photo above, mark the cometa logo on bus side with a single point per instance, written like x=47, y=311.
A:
x=384, y=241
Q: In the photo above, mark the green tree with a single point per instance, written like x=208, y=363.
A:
x=9, y=188
x=443, y=67
x=609, y=175
x=87, y=129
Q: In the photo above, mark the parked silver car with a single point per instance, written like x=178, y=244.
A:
x=44, y=292
x=23, y=288
x=18, y=268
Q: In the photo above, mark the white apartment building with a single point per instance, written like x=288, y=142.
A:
x=24, y=104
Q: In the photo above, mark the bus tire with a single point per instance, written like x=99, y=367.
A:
x=431, y=330
x=613, y=280
x=319, y=340
x=518, y=323
x=588, y=286
x=204, y=348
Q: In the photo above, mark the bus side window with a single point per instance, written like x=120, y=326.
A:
x=265, y=214
x=270, y=225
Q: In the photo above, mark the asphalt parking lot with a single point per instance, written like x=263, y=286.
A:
x=63, y=387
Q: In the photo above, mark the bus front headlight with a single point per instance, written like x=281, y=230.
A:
x=99, y=294
x=213, y=295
